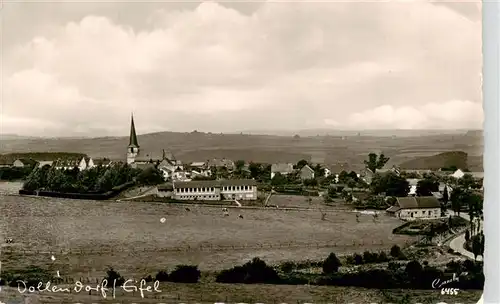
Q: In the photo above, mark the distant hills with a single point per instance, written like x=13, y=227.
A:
x=338, y=151
x=456, y=159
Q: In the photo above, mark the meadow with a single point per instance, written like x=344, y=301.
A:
x=87, y=236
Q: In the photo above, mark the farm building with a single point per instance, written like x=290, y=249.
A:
x=238, y=189
x=306, y=172
x=283, y=169
x=419, y=207
x=22, y=162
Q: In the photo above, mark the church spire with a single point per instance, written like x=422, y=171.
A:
x=133, y=136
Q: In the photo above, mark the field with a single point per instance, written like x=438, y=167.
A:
x=87, y=236
x=339, y=152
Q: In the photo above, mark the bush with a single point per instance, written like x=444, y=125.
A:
x=350, y=260
x=287, y=267
x=358, y=259
x=255, y=271
x=185, y=274
x=112, y=275
x=395, y=251
x=413, y=270
x=161, y=276
x=382, y=257
x=331, y=264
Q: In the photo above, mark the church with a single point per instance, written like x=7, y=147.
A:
x=170, y=167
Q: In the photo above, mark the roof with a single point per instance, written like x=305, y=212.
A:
x=282, y=168
x=45, y=163
x=418, y=202
x=220, y=162
x=133, y=136
x=166, y=187
x=27, y=161
x=393, y=209
x=307, y=168
x=215, y=183
x=101, y=161
x=197, y=164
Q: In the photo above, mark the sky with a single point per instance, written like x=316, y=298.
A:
x=82, y=68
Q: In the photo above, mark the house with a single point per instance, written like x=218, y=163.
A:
x=283, y=169
x=458, y=174
x=238, y=189
x=394, y=169
x=86, y=163
x=66, y=164
x=198, y=165
x=418, y=207
x=103, y=162
x=306, y=173
x=220, y=163
x=165, y=190
x=44, y=163
x=367, y=175
x=24, y=162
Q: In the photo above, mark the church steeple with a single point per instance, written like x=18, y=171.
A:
x=133, y=136
x=133, y=146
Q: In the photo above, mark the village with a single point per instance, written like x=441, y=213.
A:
x=422, y=216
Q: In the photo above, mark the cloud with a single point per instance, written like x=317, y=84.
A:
x=216, y=68
x=455, y=114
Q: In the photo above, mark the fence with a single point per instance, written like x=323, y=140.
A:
x=209, y=248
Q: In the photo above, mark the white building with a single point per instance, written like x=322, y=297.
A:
x=86, y=163
x=419, y=207
x=238, y=189
x=283, y=169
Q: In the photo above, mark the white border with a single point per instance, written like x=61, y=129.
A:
x=491, y=88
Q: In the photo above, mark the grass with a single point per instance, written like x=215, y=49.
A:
x=130, y=237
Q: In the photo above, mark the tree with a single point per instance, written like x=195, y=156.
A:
x=331, y=264
x=395, y=251
x=351, y=183
x=301, y=163
x=467, y=181
x=391, y=184
x=375, y=162
x=150, y=176
x=239, y=164
x=456, y=199
x=278, y=179
x=343, y=177
x=467, y=235
x=445, y=194
x=476, y=246
x=426, y=186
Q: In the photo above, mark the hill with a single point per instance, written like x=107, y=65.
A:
x=456, y=159
x=347, y=152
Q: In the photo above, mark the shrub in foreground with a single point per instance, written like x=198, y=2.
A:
x=185, y=274
x=255, y=271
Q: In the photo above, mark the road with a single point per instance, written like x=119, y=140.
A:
x=458, y=242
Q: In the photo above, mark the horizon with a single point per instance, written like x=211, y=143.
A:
x=276, y=132
x=79, y=69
